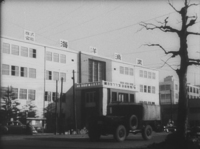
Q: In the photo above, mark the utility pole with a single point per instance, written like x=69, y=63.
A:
x=74, y=101
x=56, y=106
x=171, y=102
x=60, y=120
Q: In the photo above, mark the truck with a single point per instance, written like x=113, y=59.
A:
x=122, y=119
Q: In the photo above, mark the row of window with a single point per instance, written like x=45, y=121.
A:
x=55, y=57
x=146, y=74
x=21, y=93
x=192, y=89
x=53, y=75
x=122, y=97
x=126, y=70
x=167, y=87
x=147, y=102
x=18, y=71
x=16, y=50
x=147, y=89
x=90, y=97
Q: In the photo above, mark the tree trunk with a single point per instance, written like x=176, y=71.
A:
x=182, y=107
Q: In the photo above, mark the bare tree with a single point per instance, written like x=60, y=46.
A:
x=185, y=61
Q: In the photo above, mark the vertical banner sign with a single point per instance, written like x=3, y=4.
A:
x=139, y=61
x=117, y=56
x=29, y=35
x=63, y=43
x=93, y=50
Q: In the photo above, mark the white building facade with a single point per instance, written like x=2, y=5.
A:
x=32, y=70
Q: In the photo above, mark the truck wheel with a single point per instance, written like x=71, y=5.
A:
x=120, y=133
x=133, y=122
x=147, y=132
x=93, y=132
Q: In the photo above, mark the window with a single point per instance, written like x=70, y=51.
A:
x=141, y=73
x=153, y=89
x=141, y=88
x=132, y=98
x=48, y=56
x=6, y=48
x=145, y=88
x=47, y=96
x=23, y=72
x=15, y=50
x=162, y=96
x=48, y=75
x=121, y=70
x=197, y=91
x=149, y=75
x=145, y=74
x=114, y=96
x=31, y=94
x=56, y=57
x=193, y=90
x=32, y=53
x=131, y=71
x=153, y=75
x=63, y=58
x=54, y=96
x=96, y=71
x=63, y=75
x=90, y=97
x=23, y=94
x=126, y=70
x=176, y=87
x=162, y=87
x=5, y=69
x=168, y=87
x=167, y=96
x=122, y=97
x=56, y=76
x=32, y=73
x=149, y=89
x=190, y=89
x=24, y=51
x=14, y=70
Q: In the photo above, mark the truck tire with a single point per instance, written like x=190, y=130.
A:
x=147, y=132
x=120, y=133
x=93, y=131
x=133, y=122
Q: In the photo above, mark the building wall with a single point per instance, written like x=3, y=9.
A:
x=148, y=81
x=193, y=91
x=40, y=84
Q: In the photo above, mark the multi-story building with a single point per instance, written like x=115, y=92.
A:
x=32, y=70
x=105, y=81
x=169, y=91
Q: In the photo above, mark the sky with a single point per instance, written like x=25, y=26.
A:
x=111, y=26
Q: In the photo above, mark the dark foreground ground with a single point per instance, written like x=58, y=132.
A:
x=51, y=141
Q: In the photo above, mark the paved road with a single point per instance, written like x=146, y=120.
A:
x=50, y=141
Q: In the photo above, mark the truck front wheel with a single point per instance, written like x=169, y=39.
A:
x=147, y=132
x=120, y=133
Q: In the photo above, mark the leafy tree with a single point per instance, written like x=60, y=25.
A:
x=9, y=103
x=187, y=21
x=29, y=109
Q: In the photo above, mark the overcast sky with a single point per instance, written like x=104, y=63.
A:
x=110, y=26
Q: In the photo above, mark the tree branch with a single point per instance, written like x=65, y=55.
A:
x=194, y=61
x=164, y=28
x=192, y=21
x=192, y=33
x=174, y=53
x=169, y=65
x=173, y=7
